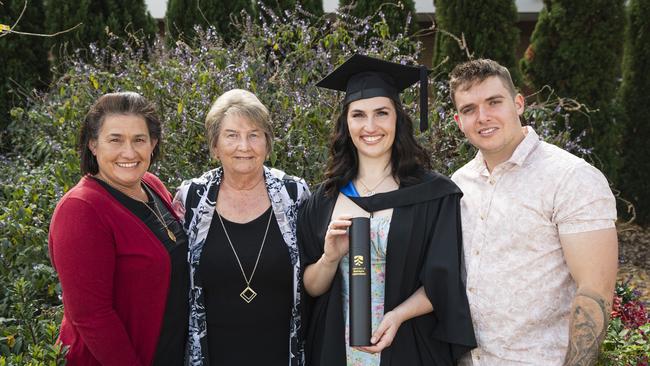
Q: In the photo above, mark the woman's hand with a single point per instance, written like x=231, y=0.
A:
x=337, y=242
x=318, y=276
x=385, y=333
x=417, y=304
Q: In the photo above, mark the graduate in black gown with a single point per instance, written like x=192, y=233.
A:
x=377, y=169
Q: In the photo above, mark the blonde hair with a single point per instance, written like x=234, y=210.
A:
x=242, y=103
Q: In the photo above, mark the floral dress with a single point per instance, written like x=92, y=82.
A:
x=379, y=227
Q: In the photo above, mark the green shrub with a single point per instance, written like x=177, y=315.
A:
x=627, y=342
x=30, y=310
x=488, y=28
x=24, y=64
x=313, y=7
x=635, y=99
x=396, y=13
x=184, y=15
x=576, y=49
x=102, y=20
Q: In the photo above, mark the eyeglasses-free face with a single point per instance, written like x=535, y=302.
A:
x=123, y=150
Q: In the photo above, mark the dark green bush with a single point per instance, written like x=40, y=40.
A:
x=24, y=64
x=634, y=97
x=102, y=19
x=30, y=310
x=576, y=49
x=488, y=28
x=184, y=15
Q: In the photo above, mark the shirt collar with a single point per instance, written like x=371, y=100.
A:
x=523, y=150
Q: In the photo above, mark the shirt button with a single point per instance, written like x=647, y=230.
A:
x=482, y=217
x=492, y=181
x=476, y=252
x=471, y=289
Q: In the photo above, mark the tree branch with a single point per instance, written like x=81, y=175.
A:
x=5, y=32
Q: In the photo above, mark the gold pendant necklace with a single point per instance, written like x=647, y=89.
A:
x=158, y=215
x=248, y=294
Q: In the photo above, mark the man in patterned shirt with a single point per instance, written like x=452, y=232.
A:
x=538, y=232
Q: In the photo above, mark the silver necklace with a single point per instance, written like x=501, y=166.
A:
x=371, y=191
x=248, y=294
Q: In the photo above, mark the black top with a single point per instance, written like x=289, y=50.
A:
x=424, y=250
x=173, y=333
x=241, y=333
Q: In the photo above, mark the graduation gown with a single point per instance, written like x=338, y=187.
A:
x=424, y=249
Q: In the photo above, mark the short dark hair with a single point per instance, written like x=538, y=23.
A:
x=466, y=74
x=409, y=160
x=115, y=103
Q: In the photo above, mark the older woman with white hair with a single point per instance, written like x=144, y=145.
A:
x=241, y=224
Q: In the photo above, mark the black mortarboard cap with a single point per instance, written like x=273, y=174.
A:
x=362, y=77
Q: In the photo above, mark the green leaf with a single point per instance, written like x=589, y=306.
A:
x=93, y=81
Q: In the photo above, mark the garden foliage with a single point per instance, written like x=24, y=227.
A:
x=101, y=19
x=488, y=27
x=396, y=13
x=23, y=64
x=628, y=336
x=635, y=99
x=184, y=15
x=279, y=60
x=576, y=49
x=314, y=7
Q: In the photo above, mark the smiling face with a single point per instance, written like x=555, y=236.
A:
x=372, y=124
x=241, y=146
x=488, y=115
x=123, y=150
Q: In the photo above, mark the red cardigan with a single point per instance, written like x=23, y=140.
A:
x=114, y=273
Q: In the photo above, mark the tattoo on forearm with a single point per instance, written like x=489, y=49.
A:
x=587, y=331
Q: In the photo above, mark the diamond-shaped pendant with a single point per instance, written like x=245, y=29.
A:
x=248, y=294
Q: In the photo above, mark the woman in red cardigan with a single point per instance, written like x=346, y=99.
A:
x=117, y=246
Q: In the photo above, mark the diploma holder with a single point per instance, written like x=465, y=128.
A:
x=359, y=257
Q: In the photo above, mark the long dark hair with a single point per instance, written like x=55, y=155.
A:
x=409, y=161
x=115, y=103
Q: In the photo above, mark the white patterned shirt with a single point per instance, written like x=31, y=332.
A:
x=518, y=283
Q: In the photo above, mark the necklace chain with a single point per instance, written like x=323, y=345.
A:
x=371, y=191
x=248, y=294
x=158, y=215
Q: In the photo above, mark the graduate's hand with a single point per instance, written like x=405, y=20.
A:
x=385, y=333
x=337, y=242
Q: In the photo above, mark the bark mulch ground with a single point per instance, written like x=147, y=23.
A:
x=634, y=259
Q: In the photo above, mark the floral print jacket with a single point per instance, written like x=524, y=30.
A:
x=195, y=204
